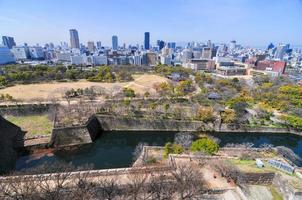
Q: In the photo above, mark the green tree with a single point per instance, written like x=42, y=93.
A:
x=128, y=92
x=206, y=145
x=3, y=81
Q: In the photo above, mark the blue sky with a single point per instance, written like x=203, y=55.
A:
x=250, y=22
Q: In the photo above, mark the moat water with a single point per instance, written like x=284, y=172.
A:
x=116, y=149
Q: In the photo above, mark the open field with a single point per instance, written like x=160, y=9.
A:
x=33, y=124
x=47, y=91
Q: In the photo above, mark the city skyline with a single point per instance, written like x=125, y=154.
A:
x=250, y=23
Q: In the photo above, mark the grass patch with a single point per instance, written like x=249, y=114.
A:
x=276, y=195
x=33, y=124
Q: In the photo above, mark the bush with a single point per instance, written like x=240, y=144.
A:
x=206, y=114
x=228, y=116
x=293, y=121
x=205, y=144
x=151, y=161
x=128, y=92
x=172, y=148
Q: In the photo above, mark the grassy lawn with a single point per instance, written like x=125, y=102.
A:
x=250, y=166
x=276, y=195
x=33, y=124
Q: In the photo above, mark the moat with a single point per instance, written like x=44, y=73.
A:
x=116, y=149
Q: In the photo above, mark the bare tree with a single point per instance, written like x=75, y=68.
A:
x=136, y=185
x=189, y=182
x=161, y=187
x=108, y=188
x=184, y=139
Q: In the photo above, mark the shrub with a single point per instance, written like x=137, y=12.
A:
x=172, y=148
x=151, y=161
x=128, y=92
x=228, y=116
x=205, y=144
x=206, y=114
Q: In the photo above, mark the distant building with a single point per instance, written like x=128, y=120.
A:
x=74, y=39
x=8, y=41
x=160, y=44
x=151, y=59
x=206, y=53
x=114, y=42
x=36, y=53
x=172, y=45
x=147, y=41
x=186, y=55
x=98, y=45
x=197, y=54
x=76, y=60
x=137, y=60
x=6, y=56
x=231, y=68
x=64, y=56
x=201, y=65
x=280, y=52
x=90, y=46
x=166, y=60
x=21, y=52
x=100, y=60
x=271, y=65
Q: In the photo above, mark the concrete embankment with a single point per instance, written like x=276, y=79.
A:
x=98, y=123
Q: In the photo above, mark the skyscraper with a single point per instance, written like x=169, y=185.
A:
x=99, y=45
x=160, y=44
x=114, y=42
x=8, y=41
x=90, y=46
x=147, y=41
x=74, y=39
x=171, y=45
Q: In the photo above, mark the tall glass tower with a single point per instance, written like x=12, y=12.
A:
x=74, y=39
x=114, y=42
x=147, y=40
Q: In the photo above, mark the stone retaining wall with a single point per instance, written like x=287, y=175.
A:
x=116, y=123
x=259, y=178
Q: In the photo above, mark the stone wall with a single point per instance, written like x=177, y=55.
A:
x=76, y=135
x=11, y=142
x=259, y=178
x=284, y=187
x=117, y=123
x=25, y=109
x=259, y=130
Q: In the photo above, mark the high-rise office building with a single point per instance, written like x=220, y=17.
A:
x=74, y=39
x=90, y=46
x=99, y=45
x=171, y=45
x=114, y=42
x=160, y=44
x=8, y=41
x=147, y=41
x=280, y=51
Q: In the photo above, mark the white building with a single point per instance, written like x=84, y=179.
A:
x=165, y=60
x=6, y=56
x=36, y=53
x=21, y=53
x=137, y=60
x=76, y=60
x=186, y=55
x=100, y=60
x=64, y=56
